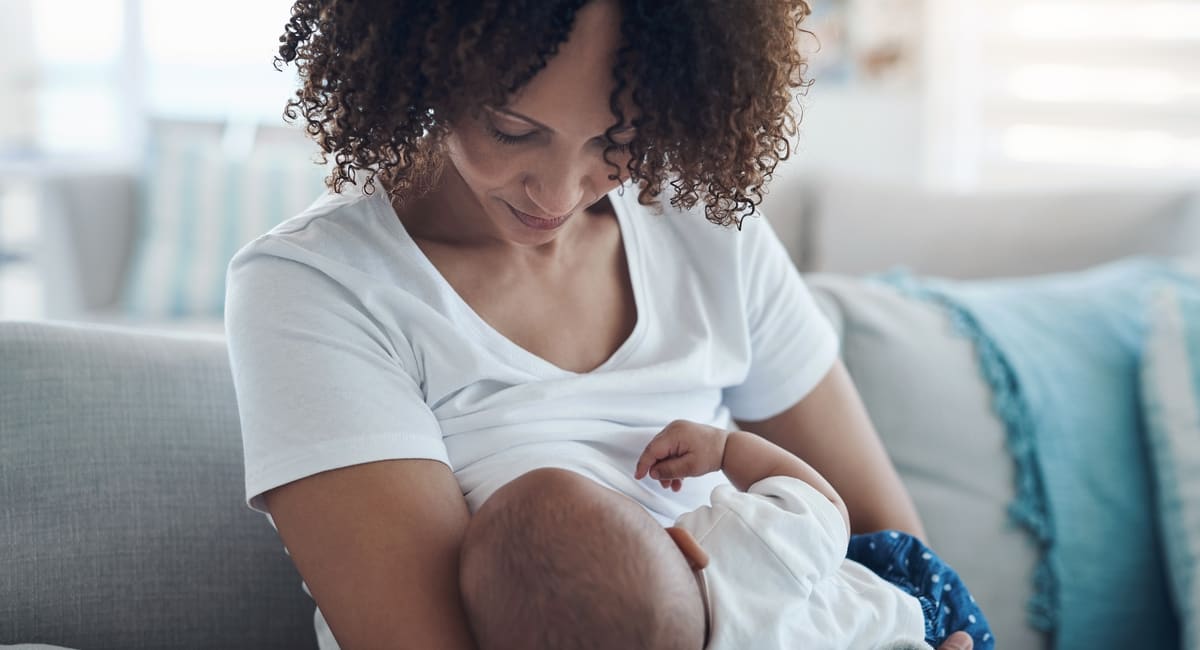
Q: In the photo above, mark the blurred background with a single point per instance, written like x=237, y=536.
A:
x=142, y=143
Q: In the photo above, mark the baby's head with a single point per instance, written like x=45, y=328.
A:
x=555, y=560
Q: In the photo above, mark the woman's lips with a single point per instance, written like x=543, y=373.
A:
x=538, y=223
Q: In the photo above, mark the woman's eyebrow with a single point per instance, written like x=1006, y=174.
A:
x=526, y=118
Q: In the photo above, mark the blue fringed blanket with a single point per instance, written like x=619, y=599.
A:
x=1061, y=355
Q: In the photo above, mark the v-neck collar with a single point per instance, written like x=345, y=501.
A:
x=501, y=344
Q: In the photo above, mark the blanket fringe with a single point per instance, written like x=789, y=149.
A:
x=1029, y=508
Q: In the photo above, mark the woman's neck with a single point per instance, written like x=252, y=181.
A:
x=451, y=215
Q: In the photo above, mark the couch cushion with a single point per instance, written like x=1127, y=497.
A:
x=121, y=479
x=922, y=386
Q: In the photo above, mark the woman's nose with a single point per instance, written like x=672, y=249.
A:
x=557, y=189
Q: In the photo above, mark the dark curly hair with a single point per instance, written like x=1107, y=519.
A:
x=713, y=81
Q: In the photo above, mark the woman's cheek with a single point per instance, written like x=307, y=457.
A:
x=479, y=157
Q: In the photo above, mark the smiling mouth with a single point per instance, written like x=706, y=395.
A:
x=538, y=223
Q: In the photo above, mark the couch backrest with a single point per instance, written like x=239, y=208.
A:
x=860, y=226
x=121, y=481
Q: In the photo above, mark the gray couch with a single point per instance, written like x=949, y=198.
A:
x=121, y=485
x=121, y=478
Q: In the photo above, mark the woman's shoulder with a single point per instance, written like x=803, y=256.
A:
x=336, y=269
x=345, y=235
x=330, y=220
x=667, y=225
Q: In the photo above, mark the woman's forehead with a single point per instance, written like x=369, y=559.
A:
x=571, y=93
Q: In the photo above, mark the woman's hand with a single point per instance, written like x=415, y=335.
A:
x=958, y=641
x=680, y=450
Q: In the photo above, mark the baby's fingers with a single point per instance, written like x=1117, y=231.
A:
x=674, y=468
x=644, y=463
x=658, y=449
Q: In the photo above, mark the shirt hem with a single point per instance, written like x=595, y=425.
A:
x=336, y=454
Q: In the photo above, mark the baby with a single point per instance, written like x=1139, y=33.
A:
x=554, y=560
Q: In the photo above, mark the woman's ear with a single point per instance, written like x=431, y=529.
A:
x=696, y=556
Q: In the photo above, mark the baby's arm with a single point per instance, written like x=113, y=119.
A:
x=749, y=458
x=686, y=449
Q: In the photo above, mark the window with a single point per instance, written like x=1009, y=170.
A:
x=87, y=74
x=1023, y=92
x=189, y=73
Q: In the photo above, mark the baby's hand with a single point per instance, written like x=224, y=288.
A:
x=682, y=449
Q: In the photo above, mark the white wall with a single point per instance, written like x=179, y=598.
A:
x=861, y=133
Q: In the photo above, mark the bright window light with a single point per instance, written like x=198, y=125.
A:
x=181, y=33
x=1077, y=83
x=77, y=31
x=1099, y=147
x=1060, y=21
x=79, y=119
x=188, y=75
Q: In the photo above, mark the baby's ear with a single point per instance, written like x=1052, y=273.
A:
x=696, y=556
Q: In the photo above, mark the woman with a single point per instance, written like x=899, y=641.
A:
x=512, y=300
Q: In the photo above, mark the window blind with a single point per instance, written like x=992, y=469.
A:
x=1026, y=92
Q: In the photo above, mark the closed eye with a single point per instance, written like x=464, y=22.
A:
x=506, y=138
x=514, y=139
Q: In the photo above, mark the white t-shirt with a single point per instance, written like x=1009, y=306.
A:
x=348, y=346
x=778, y=576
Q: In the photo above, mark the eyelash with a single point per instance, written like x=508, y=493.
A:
x=505, y=138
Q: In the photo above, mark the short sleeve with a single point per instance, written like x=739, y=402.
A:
x=792, y=343
x=320, y=385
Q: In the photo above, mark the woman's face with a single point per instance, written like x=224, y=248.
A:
x=535, y=164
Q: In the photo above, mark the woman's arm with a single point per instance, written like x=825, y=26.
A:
x=378, y=546
x=830, y=430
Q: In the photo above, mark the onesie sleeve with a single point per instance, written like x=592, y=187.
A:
x=320, y=385
x=792, y=343
x=785, y=520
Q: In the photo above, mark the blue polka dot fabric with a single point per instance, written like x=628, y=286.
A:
x=904, y=561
